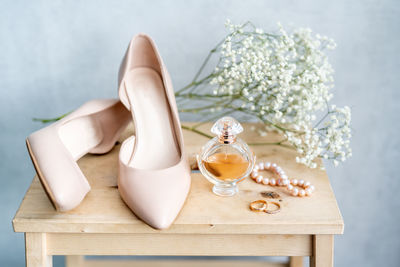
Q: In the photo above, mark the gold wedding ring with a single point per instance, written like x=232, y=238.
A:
x=262, y=205
x=276, y=210
x=259, y=205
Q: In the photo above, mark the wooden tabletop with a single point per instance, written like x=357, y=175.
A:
x=103, y=211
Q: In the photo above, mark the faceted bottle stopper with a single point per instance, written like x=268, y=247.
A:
x=226, y=129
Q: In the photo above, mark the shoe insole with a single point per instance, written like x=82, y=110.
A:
x=156, y=146
x=95, y=133
x=80, y=135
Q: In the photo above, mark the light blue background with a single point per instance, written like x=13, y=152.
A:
x=55, y=55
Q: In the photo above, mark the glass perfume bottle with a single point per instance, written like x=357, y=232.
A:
x=226, y=159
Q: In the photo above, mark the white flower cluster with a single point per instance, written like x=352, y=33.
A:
x=284, y=80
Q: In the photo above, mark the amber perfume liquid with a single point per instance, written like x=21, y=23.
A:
x=226, y=167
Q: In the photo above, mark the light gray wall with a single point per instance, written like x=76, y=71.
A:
x=55, y=55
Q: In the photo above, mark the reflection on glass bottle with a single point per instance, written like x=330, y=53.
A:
x=225, y=160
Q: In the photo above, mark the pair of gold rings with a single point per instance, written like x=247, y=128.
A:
x=262, y=206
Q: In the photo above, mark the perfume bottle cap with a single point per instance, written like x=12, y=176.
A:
x=227, y=128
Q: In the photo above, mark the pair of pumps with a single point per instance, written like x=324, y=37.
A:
x=154, y=174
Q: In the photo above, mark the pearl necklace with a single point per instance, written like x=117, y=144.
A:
x=307, y=188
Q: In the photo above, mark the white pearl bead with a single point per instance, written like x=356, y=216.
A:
x=254, y=174
x=255, y=168
x=308, y=192
x=261, y=165
x=285, y=182
x=307, y=184
x=284, y=176
x=302, y=193
x=273, y=165
x=295, y=191
x=272, y=181
x=259, y=179
x=301, y=182
x=290, y=187
x=267, y=165
x=312, y=188
x=294, y=181
x=265, y=181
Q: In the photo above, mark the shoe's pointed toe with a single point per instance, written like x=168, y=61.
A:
x=155, y=196
x=154, y=174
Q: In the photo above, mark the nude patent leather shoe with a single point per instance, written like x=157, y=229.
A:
x=54, y=150
x=154, y=174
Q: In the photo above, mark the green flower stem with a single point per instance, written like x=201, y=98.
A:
x=195, y=110
x=194, y=82
x=202, y=96
x=280, y=143
x=219, y=104
x=219, y=115
x=47, y=120
x=196, y=131
x=324, y=117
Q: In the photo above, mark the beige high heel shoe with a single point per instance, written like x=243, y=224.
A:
x=154, y=175
x=54, y=150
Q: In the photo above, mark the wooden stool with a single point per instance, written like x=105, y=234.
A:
x=208, y=225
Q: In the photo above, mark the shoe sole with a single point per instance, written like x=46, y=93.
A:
x=41, y=179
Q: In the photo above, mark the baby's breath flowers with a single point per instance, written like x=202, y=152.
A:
x=281, y=79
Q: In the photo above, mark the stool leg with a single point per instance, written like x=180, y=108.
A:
x=36, y=250
x=296, y=261
x=322, y=251
x=74, y=260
